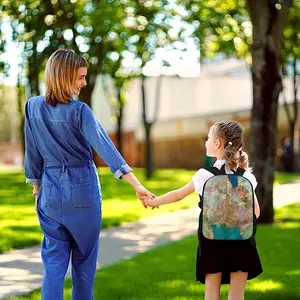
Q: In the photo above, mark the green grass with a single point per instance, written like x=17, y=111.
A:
x=168, y=272
x=282, y=178
x=19, y=226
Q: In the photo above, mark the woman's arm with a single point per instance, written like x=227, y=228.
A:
x=98, y=138
x=141, y=192
x=132, y=180
x=256, y=207
x=33, y=161
x=172, y=196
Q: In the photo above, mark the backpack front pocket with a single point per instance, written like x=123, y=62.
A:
x=81, y=195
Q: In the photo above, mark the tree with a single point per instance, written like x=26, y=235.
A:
x=115, y=67
x=89, y=28
x=40, y=27
x=153, y=22
x=220, y=27
x=117, y=99
x=268, y=21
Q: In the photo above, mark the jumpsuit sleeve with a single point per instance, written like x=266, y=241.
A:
x=97, y=137
x=33, y=162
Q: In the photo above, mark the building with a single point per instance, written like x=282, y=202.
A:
x=187, y=109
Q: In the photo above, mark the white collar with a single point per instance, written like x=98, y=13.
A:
x=219, y=163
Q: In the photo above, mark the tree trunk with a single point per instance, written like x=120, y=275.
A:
x=148, y=146
x=147, y=127
x=296, y=112
x=120, y=120
x=268, y=23
x=33, y=74
x=20, y=96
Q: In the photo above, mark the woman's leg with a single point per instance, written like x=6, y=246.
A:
x=238, y=282
x=212, y=286
x=82, y=217
x=83, y=272
x=55, y=254
x=84, y=247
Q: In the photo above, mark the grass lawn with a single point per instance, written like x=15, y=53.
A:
x=168, y=272
x=19, y=225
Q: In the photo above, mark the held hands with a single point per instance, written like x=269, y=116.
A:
x=143, y=194
x=149, y=201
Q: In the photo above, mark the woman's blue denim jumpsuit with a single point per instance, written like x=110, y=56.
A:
x=58, y=157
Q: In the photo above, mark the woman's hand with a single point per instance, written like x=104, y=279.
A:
x=36, y=198
x=143, y=194
x=35, y=193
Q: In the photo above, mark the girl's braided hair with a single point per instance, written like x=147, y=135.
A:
x=231, y=134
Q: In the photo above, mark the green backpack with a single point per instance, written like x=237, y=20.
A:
x=227, y=206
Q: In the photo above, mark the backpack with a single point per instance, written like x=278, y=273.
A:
x=227, y=206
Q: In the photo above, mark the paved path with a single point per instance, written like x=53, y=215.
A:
x=21, y=270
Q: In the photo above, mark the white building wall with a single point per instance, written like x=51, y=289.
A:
x=100, y=103
x=183, y=100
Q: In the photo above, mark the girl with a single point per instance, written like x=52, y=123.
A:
x=59, y=134
x=220, y=262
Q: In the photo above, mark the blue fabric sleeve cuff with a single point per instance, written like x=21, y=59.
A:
x=34, y=181
x=124, y=169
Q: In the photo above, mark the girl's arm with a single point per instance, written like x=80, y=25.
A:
x=256, y=207
x=172, y=196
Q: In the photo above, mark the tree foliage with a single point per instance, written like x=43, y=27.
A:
x=98, y=30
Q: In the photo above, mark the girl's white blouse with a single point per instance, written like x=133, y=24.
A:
x=202, y=175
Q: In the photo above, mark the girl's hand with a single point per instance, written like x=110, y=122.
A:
x=150, y=202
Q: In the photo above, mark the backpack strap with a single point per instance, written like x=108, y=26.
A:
x=222, y=171
x=240, y=171
x=214, y=170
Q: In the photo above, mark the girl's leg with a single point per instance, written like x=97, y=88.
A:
x=212, y=286
x=238, y=282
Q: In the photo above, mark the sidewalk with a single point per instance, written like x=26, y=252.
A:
x=21, y=270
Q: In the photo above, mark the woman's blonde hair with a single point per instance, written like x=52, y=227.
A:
x=60, y=75
x=231, y=134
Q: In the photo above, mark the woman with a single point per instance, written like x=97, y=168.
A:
x=59, y=134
